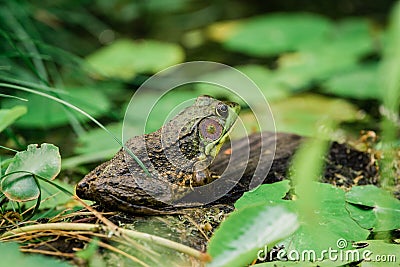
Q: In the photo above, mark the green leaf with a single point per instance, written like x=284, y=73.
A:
x=46, y=113
x=90, y=251
x=334, y=224
x=11, y=256
x=239, y=238
x=353, y=36
x=261, y=76
x=359, y=83
x=20, y=187
x=286, y=263
x=163, y=109
x=373, y=208
x=95, y=145
x=300, y=69
x=98, y=141
x=382, y=254
x=264, y=194
x=8, y=116
x=277, y=33
x=378, y=252
x=125, y=58
x=301, y=114
x=339, y=52
x=52, y=197
x=44, y=161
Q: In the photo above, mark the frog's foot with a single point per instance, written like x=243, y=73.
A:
x=201, y=174
x=201, y=177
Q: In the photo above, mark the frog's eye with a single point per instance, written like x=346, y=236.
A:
x=210, y=129
x=222, y=110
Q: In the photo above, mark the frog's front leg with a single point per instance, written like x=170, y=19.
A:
x=201, y=173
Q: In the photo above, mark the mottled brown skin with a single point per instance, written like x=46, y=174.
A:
x=175, y=155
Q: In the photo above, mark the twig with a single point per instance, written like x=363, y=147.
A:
x=97, y=227
x=117, y=250
x=46, y=252
x=53, y=226
x=197, y=226
x=112, y=228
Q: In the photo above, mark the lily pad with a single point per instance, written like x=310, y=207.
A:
x=375, y=253
x=380, y=253
x=261, y=76
x=125, y=58
x=359, y=83
x=264, y=194
x=277, y=33
x=333, y=222
x=298, y=70
x=239, y=238
x=8, y=116
x=43, y=161
x=373, y=208
x=302, y=113
x=354, y=37
x=338, y=52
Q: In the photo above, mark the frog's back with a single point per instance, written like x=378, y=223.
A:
x=114, y=184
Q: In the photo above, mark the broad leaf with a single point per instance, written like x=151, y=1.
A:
x=97, y=140
x=277, y=33
x=11, y=256
x=302, y=113
x=373, y=208
x=375, y=253
x=380, y=253
x=94, y=145
x=299, y=70
x=354, y=37
x=239, y=238
x=264, y=194
x=333, y=221
x=46, y=113
x=339, y=52
x=53, y=197
x=359, y=83
x=261, y=76
x=43, y=161
x=162, y=109
x=334, y=224
x=125, y=58
x=8, y=116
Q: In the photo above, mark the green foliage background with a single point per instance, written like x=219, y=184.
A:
x=329, y=66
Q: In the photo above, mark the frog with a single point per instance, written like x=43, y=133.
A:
x=176, y=158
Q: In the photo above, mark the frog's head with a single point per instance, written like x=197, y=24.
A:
x=213, y=127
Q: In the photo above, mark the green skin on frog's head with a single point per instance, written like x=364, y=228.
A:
x=202, y=129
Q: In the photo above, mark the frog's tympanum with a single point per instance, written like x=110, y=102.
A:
x=177, y=157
